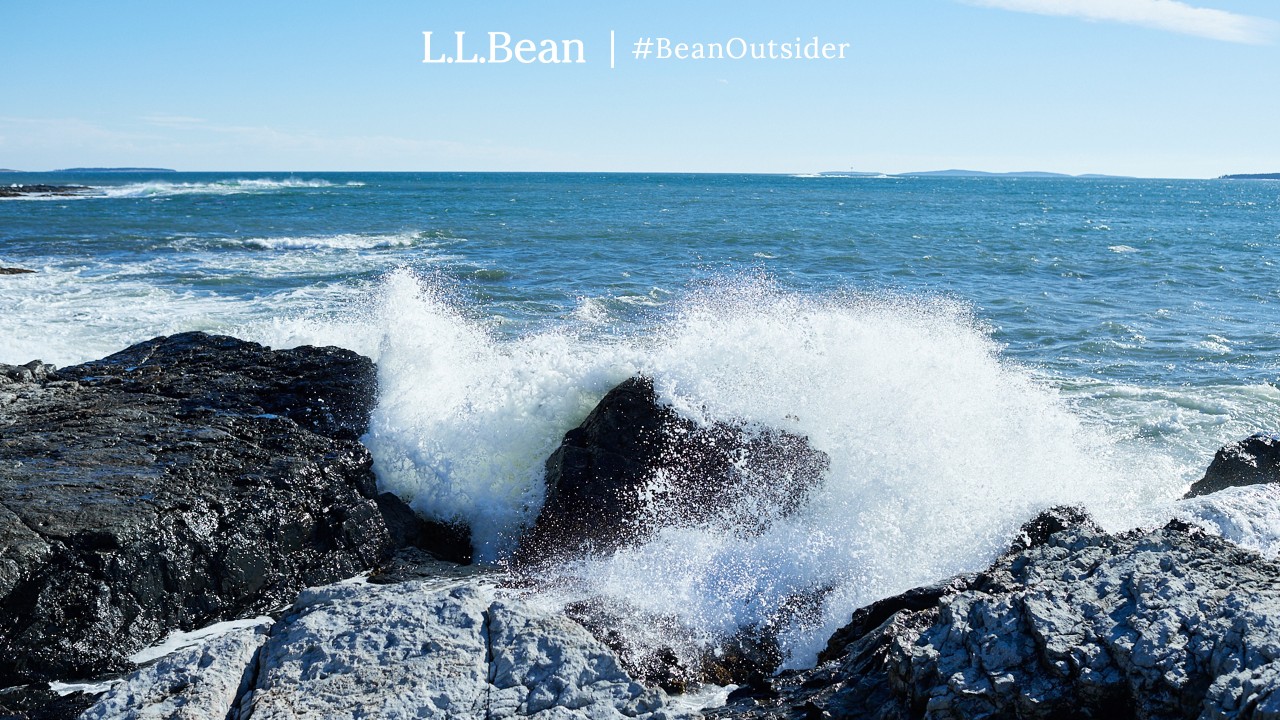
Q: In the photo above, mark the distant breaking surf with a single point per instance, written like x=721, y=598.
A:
x=220, y=187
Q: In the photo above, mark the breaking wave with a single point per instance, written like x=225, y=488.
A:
x=939, y=448
x=220, y=187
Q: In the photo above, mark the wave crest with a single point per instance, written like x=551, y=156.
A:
x=221, y=187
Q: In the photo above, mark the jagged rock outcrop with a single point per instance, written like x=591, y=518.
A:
x=446, y=647
x=11, y=191
x=1168, y=623
x=183, y=481
x=195, y=683
x=634, y=465
x=1254, y=460
x=15, y=271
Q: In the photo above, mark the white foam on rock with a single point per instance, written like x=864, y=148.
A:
x=940, y=449
x=1248, y=516
x=180, y=640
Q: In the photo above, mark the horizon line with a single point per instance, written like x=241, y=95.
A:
x=848, y=174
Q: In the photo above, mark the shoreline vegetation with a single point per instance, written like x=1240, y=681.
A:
x=213, y=494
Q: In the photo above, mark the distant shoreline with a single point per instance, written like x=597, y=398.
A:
x=944, y=174
x=115, y=170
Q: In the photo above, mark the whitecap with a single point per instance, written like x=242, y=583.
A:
x=222, y=187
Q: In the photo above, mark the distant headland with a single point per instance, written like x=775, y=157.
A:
x=974, y=174
x=114, y=170
x=86, y=170
x=1261, y=176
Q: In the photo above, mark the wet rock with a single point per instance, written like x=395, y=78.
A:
x=10, y=191
x=1169, y=623
x=1037, y=531
x=15, y=271
x=34, y=371
x=635, y=465
x=38, y=702
x=410, y=530
x=183, y=481
x=1254, y=460
x=685, y=658
x=410, y=563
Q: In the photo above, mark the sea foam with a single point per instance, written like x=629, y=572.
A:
x=939, y=448
x=220, y=187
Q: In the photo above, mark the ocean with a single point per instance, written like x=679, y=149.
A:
x=967, y=351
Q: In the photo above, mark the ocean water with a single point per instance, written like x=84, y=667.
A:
x=967, y=351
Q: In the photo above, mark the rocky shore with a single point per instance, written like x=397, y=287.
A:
x=12, y=191
x=213, y=495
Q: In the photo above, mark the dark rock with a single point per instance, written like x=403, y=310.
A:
x=1169, y=623
x=1037, y=531
x=327, y=391
x=1034, y=533
x=868, y=619
x=15, y=271
x=689, y=658
x=409, y=530
x=186, y=480
x=8, y=191
x=37, y=702
x=674, y=666
x=634, y=466
x=1252, y=461
x=409, y=564
x=34, y=371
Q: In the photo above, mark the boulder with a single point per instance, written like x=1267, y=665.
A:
x=1254, y=460
x=186, y=480
x=196, y=683
x=635, y=465
x=442, y=648
x=1167, y=623
x=444, y=541
x=15, y=271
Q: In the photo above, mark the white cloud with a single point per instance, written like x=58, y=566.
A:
x=1170, y=15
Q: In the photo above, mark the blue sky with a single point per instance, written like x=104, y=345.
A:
x=1142, y=87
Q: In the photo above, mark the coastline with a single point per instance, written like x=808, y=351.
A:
x=224, y=393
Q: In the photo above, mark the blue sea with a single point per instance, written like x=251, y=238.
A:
x=967, y=350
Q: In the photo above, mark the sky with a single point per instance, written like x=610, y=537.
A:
x=1153, y=88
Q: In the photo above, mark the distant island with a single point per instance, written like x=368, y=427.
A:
x=115, y=170
x=1262, y=176
x=976, y=173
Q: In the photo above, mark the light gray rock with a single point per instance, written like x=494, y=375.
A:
x=391, y=651
x=546, y=665
x=424, y=649
x=195, y=683
x=1169, y=623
